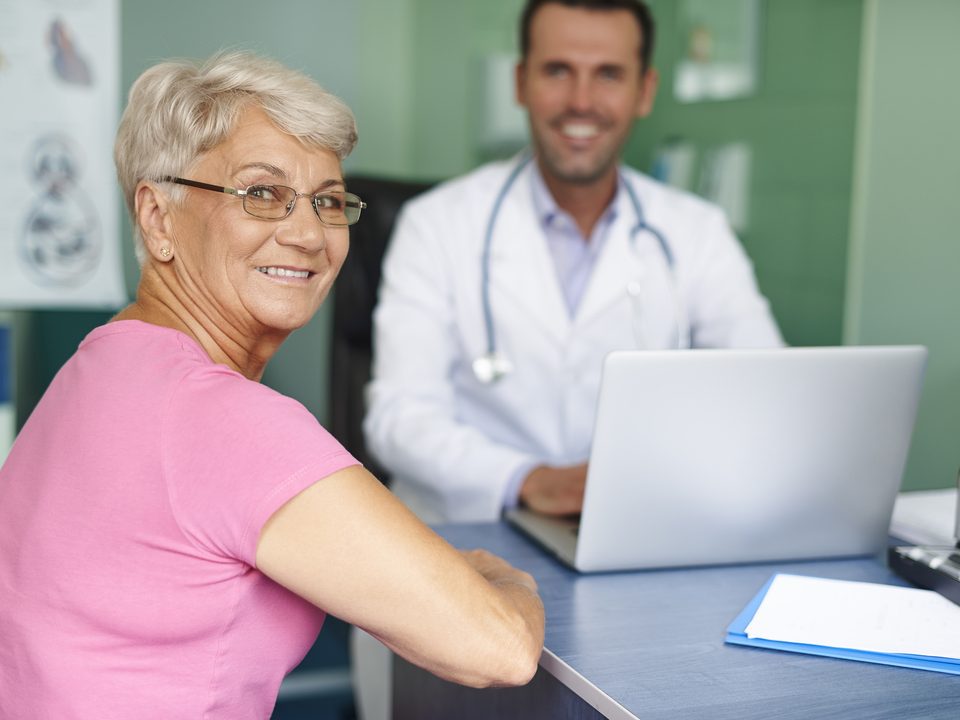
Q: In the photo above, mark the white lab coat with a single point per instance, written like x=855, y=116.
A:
x=452, y=443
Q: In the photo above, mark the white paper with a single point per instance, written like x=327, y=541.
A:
x=858, y=616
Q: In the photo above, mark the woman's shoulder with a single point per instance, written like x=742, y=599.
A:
x=145, y=339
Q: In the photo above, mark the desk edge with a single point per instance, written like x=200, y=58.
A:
x=585, y=689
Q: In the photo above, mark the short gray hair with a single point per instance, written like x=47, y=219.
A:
x=180, y=109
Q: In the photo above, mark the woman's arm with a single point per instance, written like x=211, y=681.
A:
x=349, y=546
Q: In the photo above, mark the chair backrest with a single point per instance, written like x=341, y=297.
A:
x=354, y=298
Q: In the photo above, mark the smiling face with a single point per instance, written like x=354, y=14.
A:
x=582, y=85
x=244, y=273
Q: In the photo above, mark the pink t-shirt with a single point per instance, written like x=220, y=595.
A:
x=130, y=509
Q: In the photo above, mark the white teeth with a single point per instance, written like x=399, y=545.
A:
x=580, y=131
x=284, y=272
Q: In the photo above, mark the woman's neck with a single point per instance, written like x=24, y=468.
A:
x=237, y=348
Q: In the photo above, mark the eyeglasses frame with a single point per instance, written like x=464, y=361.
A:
x=243, y=193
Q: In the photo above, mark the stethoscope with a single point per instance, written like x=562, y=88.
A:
x=493, y=365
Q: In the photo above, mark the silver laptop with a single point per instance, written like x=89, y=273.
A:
x=728, y=456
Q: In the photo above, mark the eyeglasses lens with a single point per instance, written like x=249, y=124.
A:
x=337, y=208
x=275, y=202
x=271, y=202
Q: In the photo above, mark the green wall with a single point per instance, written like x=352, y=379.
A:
x=383, y=56
x=904, y=253
x=451, y=39
x=800, y=125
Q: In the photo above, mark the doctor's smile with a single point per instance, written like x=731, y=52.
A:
x=576, y=127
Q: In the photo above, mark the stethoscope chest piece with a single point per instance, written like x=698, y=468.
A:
x=490, y=367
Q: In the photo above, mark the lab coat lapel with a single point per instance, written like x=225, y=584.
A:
x=522, y=272
x=618, y=265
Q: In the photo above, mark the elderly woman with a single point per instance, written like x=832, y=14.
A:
x=172, y=532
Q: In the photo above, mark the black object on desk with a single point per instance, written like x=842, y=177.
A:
x=931, y=566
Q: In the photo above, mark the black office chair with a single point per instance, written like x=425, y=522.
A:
x=354, y=298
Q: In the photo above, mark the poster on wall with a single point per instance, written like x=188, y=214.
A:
x=59, y=228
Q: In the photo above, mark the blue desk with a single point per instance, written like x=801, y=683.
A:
x=650, y=645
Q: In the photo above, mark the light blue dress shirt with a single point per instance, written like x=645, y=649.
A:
x=574, y=256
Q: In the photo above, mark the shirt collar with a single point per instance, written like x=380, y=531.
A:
x=546, y=207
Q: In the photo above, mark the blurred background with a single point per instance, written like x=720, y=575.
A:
x=826, y=128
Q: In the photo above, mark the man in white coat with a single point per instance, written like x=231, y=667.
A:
x=504, y=289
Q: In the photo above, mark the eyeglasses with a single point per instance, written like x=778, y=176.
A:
x=275, y=202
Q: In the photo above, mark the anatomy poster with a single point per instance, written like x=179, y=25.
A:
x=59, y=225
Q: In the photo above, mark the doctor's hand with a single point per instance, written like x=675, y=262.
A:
x=554, y=490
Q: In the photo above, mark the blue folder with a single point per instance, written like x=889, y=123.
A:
x=737, y=635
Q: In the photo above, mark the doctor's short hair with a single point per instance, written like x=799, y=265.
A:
x=639, y=9
x=180, y=109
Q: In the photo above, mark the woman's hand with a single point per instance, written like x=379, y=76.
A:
x=498, y=571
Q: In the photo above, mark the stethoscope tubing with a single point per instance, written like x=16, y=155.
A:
x=487, y=244
x=492, y=366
